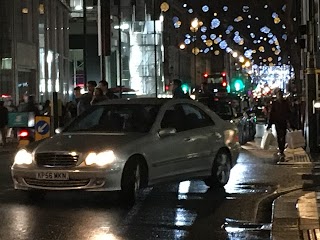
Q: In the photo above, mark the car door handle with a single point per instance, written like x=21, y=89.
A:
x=218, y=135
x=187, y=139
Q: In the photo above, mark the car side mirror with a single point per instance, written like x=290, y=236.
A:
x=58, y=130
x=165, y=132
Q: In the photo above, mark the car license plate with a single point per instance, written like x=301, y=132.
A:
x=52, y=176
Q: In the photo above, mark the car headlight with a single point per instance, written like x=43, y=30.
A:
x=23, y=157
x=100, y=159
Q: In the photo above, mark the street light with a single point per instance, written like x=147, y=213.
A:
x=195, y=23
x=182, y=46
x=235, y=54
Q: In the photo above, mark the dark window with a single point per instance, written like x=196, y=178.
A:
x=116, y=118
x=195, y=117
x=173, y=118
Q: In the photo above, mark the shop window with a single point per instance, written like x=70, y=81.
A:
x=6, y=63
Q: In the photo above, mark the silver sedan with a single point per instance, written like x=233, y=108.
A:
x=127, y=144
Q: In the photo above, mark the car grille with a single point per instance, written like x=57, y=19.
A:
x=57, y=184
x=56, y=160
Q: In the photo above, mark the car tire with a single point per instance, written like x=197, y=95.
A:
x=221, y=168
x=130, y=182
x=36, y=195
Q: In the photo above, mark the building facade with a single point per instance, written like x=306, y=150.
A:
x=34, y=49
x=131, y=43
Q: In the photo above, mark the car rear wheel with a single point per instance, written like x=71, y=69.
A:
x=131, y=182
x=220, y=171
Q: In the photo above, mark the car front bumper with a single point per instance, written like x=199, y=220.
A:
x=78, y=179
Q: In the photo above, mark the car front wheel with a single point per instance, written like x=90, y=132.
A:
x=220, y=171
x=130, y=184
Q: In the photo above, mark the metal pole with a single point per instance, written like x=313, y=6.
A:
x=15, y=90
x=311, y=128
x=155, y=48
x=179, y=66
x=55, y=103
x=120, y=47
x=85, y=43
x=101, y=37
x=195, y=58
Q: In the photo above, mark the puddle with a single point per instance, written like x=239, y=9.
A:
x=245, y=230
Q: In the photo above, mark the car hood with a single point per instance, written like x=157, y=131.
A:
x=86, y=142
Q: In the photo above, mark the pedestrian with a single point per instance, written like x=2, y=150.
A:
x=77, y=94
x=85, y=100
x=4, y=115
x=103, y=84
x=47, y=108
x=279, y=116
x=177, y=91
x=98, y=96
x=30, y=106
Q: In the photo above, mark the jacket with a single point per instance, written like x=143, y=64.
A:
x=279, y=113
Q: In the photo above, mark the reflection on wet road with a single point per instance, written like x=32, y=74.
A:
x=185, y=210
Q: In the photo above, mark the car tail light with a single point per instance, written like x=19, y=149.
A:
x=23, y=133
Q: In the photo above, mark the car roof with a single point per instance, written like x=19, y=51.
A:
x=142, y=101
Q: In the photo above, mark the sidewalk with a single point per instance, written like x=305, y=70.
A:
x=292, y=156
x=295, y=215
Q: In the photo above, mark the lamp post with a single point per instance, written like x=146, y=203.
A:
x=182, y=46
x=164, y=7
x=194, y=28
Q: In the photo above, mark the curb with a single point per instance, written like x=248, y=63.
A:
x=281, y=228
x=285, y=219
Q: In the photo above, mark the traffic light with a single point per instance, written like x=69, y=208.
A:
x=224, y=83
x=205, y=75
x=185, y=88
x=166, y=88
x=238, y=85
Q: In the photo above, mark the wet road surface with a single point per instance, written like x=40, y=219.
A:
x=186, y=210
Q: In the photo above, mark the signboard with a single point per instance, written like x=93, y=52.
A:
x=42, y=127
x=21, y=119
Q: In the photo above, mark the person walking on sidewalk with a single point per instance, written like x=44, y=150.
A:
x=279, y=116
x=3, y=122
x=177, y=91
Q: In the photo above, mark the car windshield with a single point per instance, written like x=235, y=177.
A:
x=116, y=118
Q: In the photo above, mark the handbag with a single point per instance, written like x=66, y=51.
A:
x=295, y=139
x=267, y=140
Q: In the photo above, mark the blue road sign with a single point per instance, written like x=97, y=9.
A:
x=42, y=127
